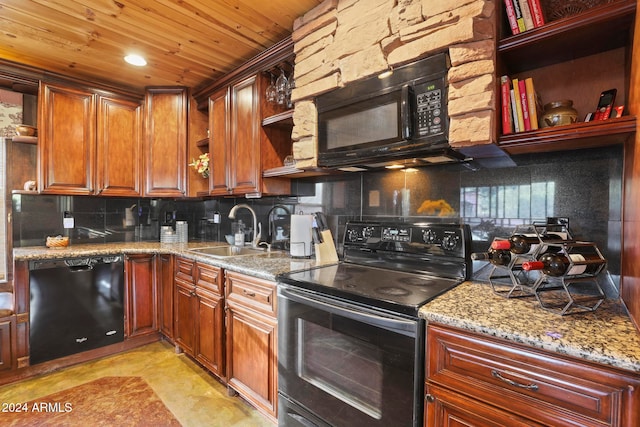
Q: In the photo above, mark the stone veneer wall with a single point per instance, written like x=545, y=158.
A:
x=341, y=41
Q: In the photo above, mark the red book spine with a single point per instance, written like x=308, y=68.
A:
x=525, y=105
x=536, y=13
x=507, y=115
x=511, y=16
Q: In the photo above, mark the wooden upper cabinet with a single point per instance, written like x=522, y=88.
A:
x=245, y=143
x=67, y=140
x=219, y=143
x=165, y=146
x=118, y=147
x=240, y=148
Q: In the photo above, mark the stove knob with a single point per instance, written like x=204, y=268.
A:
x=352, y=235
x=429, y=236
x=367, y=232
x=449, y=242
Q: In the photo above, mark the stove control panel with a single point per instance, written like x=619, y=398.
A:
x=396, y=234
x=418, y=238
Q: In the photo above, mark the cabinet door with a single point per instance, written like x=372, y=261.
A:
x=245, y=143
x=184, y=315
x=165, y=148
x=67, y=140
x=165, y=288
x=141, y=297
x=6, y=348
x=219, y=143
x=119, y=144
x=448, y=409
x=252, y=364
x=209, y=340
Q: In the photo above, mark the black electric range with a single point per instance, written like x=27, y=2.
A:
x=393, y=266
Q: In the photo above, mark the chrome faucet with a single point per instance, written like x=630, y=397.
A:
x=257, y=227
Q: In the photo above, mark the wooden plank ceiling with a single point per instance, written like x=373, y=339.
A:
x=186, y=42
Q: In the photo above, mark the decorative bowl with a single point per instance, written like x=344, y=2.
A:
x=57, y=242
x=26, y=130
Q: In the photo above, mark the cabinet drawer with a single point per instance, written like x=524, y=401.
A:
x=209, y=277
x=257, y=294
x=184, y=269
x=535, y=384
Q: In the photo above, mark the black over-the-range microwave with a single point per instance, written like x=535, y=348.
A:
x=378, y=121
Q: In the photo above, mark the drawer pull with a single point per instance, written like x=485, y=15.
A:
x=496, y=374
x=249, y=294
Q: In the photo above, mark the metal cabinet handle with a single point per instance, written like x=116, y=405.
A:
x=429, y=398
x=249, y=294
x=496, y=374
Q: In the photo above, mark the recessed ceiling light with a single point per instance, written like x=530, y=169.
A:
x=136, y=60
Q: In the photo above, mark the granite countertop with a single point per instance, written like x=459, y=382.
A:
x=605, y=336
x=266, y=266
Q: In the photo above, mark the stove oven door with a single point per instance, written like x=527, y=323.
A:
x=344, y=365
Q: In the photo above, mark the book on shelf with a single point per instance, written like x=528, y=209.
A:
x=514, y=116
x=519, y=18
x=522, y=90
x=511, y=17
x=536, y=13
x=517, y=114
x=526, y=14
x=521, y=105
x=507, y=113
x=532, y=99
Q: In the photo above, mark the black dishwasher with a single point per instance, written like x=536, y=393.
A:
x=76, y=305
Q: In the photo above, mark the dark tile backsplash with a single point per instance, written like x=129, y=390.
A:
x=584, y=186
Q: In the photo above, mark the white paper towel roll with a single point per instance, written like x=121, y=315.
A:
x=300, y=235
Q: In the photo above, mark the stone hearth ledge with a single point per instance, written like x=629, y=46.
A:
x=265, y=266
x=606, y=336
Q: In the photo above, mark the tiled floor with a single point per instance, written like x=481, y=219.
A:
x=193, y=396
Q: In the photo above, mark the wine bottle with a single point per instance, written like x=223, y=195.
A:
x=524, y=243
x=558, y=264
x=494, y=256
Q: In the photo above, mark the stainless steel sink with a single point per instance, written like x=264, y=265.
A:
x=228, y=251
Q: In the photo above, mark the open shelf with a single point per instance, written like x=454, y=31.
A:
x=25, y=139
x=569, y=38
x=284, y=119
x=203, y=143
x=570, y=137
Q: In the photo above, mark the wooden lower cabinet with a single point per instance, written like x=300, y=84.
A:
x=141, y=297
x=199, y=313
x=7, y=336
x=164, y=278
x=474, y=380
x=252, y=360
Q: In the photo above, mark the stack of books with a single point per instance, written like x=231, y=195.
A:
x=524, y=15
x=520, y=105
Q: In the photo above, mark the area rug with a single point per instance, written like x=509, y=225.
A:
x=108, y=401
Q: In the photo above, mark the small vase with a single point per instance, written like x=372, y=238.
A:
x=559, y=113
x=205, y=174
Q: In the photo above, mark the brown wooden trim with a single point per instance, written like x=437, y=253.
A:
x=27, y=78
x=265, y=60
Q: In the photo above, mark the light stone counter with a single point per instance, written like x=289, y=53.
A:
x=605, y=336
x=266, y=266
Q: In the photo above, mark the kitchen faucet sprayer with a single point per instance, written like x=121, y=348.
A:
x=257, y=227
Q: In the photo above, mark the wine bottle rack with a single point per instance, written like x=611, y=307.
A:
x=522, y=283
x=573, y=293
